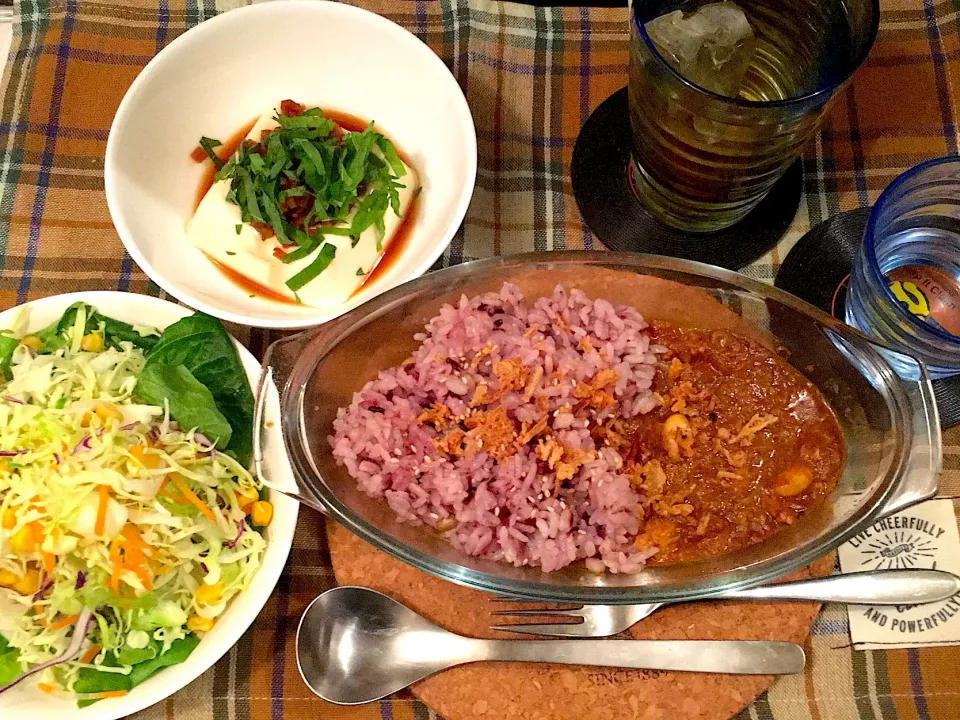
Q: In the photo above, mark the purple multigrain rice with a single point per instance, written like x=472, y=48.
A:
x=508, y=510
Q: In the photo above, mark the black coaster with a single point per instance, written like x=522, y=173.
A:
x=817, y=270
x=600, y=172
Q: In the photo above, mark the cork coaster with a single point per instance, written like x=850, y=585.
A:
x=524, y=691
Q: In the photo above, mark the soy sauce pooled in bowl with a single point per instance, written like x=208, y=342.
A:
x=304, y=206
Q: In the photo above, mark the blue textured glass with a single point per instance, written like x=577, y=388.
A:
x=914, y=223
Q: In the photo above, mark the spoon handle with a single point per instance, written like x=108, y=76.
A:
x=882, y=587
x=737, y=657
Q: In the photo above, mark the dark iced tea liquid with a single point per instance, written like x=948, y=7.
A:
x=702, y=161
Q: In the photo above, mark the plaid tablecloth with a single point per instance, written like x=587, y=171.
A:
x=532, y=76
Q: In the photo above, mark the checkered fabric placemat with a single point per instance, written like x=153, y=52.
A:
x=532, y=76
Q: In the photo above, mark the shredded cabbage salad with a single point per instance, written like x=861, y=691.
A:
x=109, y=506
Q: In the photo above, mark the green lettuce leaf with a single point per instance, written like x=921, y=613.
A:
x=10, y=666
x=179, y=651
x=201, y=345
x=94, y=681
x=191, y=402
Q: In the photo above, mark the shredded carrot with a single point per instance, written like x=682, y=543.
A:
x=69, y=620
x=189, y=495
x=132, y=536
x=36, y=533
x=47, y=688
x=90, y=654
x=49, y=562
x=165, y=492
x=39, y=610
x=129, y=553
x=101, y=524
x=104, y=695
x=145, y=577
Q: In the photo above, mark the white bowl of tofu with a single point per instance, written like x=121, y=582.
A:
x=281, y=184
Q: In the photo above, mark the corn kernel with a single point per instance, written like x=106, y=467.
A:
x=92, y=342
x=32, y=342
x=151, y=461
x=200, y=624
x=107, y=411
x=246, y=497
x=9, y=519
x=210, y=594
x=261, y=513
x=23, y=540
x=793, y=481
x=8, y=578
x=28, y=584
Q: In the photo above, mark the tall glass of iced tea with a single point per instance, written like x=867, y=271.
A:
x=723, y=96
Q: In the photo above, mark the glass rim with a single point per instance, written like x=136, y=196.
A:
x=870, y=246
x=786, y=102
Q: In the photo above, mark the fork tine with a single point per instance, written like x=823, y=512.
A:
x=555, y=630
x=542, y=612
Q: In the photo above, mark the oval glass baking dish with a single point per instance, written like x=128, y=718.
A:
x=890, y=426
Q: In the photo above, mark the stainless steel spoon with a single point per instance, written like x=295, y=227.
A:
x=355, y=645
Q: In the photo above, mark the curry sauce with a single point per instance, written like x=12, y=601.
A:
x=740, y=446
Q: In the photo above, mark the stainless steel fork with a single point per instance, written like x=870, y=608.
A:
x=878, y=587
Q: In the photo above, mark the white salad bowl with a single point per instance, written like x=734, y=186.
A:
x=216, y=78
x=26, y=702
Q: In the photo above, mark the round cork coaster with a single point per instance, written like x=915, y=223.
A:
x=526, y=691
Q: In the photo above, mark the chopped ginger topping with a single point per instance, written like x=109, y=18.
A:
x=549, y=450
x=604, y=378
x=668, y=507
x=602, y=399
x=480, y=396
x=490, y=432
x=674, y=370
x=754, y=425
x=437, y=414
x=573, y=459
x=533, y=383
x=657, y=533
x=511, y=374
x=592, y=391
x=451, y=443
x=528, y=434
